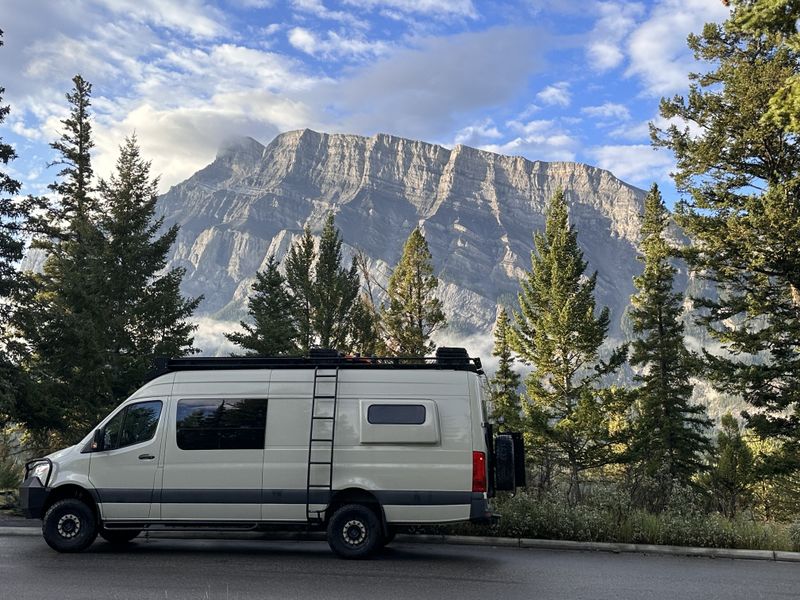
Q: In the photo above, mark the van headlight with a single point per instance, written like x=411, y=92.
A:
x=41, y=470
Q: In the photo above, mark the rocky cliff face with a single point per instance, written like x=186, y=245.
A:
x=477, y=209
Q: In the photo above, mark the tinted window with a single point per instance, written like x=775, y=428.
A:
x=134, y=424
x=396, y=414
x=141, y=421
x=112, y=430
x=221, y=424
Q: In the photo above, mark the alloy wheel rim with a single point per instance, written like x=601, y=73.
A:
x=354, y=532
x=68, y=526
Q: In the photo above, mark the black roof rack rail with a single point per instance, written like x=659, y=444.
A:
x=453, y=359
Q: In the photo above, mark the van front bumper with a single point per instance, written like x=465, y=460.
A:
x=32, y=495
x=480, y=512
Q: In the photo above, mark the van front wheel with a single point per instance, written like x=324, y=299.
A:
x=69, y=526
x=354, y=531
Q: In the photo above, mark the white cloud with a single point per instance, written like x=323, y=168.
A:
x=195, y=17
x=477, y=133
x=616, y=21
x=181, y=140
x=423, y=92
x=608, y=111
x=641, y=130
x=441, y=8
x=540, y=139
x=197, y=98
x=658, y=52
x=636, y=163
x=303, y=40
x=183, y=96
x=209, y=337
x=252, y=3
x=271, y=29
x=319, y=10
x=334, y=45
x=557, y=94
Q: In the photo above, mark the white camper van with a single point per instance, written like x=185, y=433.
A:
x=358, y=446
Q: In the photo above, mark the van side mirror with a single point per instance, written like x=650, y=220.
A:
x=98, y=441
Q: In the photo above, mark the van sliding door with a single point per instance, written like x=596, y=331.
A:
x=214, y=458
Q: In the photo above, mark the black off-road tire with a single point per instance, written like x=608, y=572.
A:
x=354, y=531
x=69, y=526
x=118, y=537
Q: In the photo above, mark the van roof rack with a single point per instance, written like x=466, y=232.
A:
x=452, y=359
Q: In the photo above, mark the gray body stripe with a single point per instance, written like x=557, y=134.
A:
x=274, y=496
x=211, y=496
x=125, y=496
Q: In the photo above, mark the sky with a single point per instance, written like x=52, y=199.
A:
x=545, y=79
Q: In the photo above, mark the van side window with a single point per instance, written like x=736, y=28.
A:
x=134, y=424
x=396, y=414
x=221, y=423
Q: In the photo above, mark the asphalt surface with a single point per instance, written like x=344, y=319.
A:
x=243, y=569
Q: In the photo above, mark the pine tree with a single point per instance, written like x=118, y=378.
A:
x=414, y=312
x=776, y=18
x=299, y=279
x=11, y=223
x=505, y=383
x=148, y=315
x=14, y=214
x=731, y=475
x=103, y=306
x=741, y=174
x=75, y=204
x=65, y=321
x=669, y=433
x=335, y=291
x=273, y=331
x=365, y=334
x=558, y=333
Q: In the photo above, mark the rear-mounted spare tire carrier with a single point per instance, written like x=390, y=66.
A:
x=504, y=463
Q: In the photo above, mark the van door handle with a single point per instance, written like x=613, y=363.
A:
x=146, y=457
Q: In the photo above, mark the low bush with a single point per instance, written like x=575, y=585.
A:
x=794, y=535
x=606, y=516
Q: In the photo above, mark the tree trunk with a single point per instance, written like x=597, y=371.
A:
x=575, y=494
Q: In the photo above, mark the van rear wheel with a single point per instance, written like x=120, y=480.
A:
x=354, y=531
x=69, y=526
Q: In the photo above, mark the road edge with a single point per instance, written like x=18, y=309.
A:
x=615, y=548
x=465, y=540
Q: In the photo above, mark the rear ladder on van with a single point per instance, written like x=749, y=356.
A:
x=321, y=436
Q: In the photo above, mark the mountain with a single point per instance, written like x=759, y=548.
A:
x=478, y=211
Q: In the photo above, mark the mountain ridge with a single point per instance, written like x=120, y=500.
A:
x=478, y=210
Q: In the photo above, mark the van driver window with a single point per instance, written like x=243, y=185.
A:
x=134, y=424
x=396, y=414
x=221, y=423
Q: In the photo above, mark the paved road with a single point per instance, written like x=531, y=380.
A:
x=243, y=569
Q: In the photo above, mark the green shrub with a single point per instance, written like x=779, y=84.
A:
x=606, y=516
x=794, y=535
x=11, y=465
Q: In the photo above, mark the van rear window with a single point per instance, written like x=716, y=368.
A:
x=396, y=414
x=221, y=424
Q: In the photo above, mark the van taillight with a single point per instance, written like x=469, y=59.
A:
x=478, y=471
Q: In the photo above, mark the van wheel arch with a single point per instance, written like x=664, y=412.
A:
x=71, y=490
x=356, y=496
